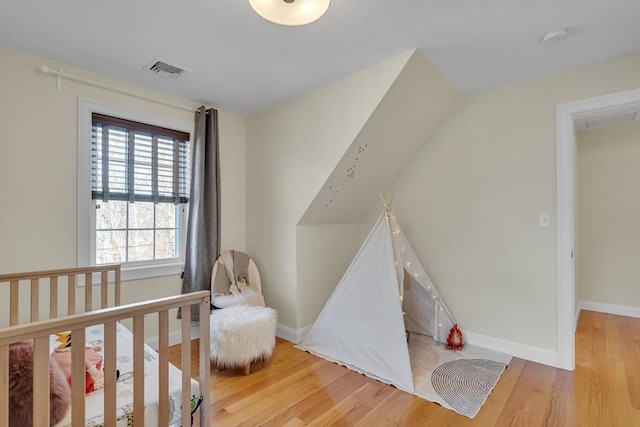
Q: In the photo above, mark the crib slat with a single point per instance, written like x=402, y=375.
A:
x=35, y=299
x=4, y=385
x=110, y=374
x=14, y=307
x=117, y=285
x=53, y=297
x=104, y=287
x=78, y=370
x=88, y=288
x=186, y=365
x=138, y=371
x=41, y=410
x=71, y=294
x=163, y=367
x=205, y=362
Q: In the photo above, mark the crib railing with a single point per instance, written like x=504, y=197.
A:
x=107, y=275
x=40, y=330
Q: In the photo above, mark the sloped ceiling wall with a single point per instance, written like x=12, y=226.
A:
x=415, y=105
x=291, y=150
x=355, y=135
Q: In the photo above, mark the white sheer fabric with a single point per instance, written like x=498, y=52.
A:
x=362, y=326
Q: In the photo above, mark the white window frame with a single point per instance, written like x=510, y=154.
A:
x=86, y=255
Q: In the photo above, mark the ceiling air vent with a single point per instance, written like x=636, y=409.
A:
x=165, y=69
x=611, y=117
x=616, y=119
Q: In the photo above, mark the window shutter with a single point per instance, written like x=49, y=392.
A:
x=136, y=162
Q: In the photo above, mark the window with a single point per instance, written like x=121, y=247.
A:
x=133, y=188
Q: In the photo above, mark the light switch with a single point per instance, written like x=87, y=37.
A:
x=544, y=219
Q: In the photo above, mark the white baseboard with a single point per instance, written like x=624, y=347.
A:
x=619, y=310
x=522, y=351
x=175, y=337
x=295, y=336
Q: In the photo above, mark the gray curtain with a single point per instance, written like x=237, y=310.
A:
x=203, y=229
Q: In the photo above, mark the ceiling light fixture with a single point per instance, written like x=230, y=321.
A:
x=290, y=12
x=555, y=35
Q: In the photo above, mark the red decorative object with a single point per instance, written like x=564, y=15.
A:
x=454, y=340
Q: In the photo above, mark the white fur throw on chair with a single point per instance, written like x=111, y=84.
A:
x=242, y=334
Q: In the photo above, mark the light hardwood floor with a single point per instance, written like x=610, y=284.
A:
x=298, y=389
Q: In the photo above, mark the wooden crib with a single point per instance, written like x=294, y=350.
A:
x=109, y=313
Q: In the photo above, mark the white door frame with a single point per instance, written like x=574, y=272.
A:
x=566, y=114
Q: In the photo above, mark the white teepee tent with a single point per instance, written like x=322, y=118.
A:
x=362, y=326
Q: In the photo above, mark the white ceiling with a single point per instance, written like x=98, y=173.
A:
x=242, y=63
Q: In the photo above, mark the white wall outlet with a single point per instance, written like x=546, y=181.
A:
x=544, y=219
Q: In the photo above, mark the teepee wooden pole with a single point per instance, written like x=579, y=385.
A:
x=387, y=205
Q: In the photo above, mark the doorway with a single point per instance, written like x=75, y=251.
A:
x=566, y=117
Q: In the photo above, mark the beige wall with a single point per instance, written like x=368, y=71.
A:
x=608, y=220
x=38, y=150
x=323, y=254
x=469, y=203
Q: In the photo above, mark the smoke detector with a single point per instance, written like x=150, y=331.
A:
x=165, y=69
x=555, y=35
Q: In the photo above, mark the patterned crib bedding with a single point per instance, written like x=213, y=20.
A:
x=94, y=402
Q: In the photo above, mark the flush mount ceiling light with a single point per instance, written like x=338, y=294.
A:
x=290, y=12
x=555, y=35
